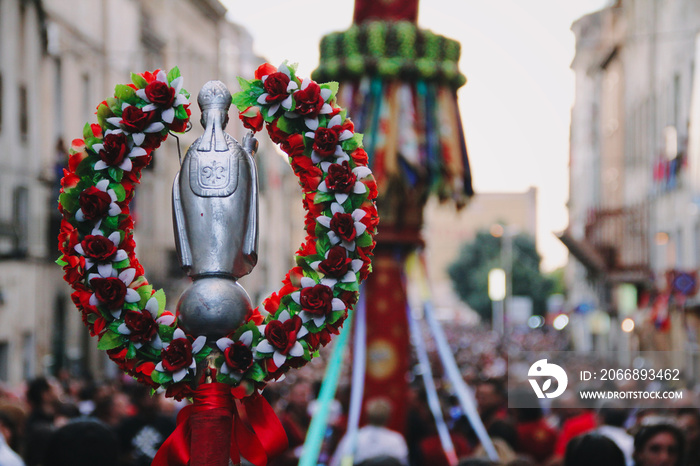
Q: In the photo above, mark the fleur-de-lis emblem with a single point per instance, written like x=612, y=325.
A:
x=213, y=174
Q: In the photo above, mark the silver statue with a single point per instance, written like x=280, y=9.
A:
x=215, y=216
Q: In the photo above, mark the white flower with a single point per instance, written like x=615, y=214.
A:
x=103, y=268
x=152, y=308
x=278, y=357
x=344, y=135
x=168, y=114
x=127, y=277
x=312, y=123
x=349, y=277
x=197, y=346
x=337, y=304
x=114, y=209
x=138, y=138
x=223, y=343
x=357, y=215
x=358, y=188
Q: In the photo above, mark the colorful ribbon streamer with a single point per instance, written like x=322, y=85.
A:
x=317, y=428
x=213, y=420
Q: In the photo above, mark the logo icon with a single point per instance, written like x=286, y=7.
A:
x=542, y=368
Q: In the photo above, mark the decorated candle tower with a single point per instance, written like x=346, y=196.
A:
x=400, y=84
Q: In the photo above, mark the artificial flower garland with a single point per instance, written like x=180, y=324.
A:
x=96, y=241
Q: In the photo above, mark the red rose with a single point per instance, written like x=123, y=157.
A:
x=75, y=270
x=179, y=391
x=264, y=70
x=317, y=300
x=178, y=125
x=252, y=118
x=336, y=264
x=293, y=145
x=309, y=101
x=283, y=335
x=325, y=141
x=114, y=149
x=98, y=248
x=160, y=93
x=359, y=156
x=143, y=327
x=343, y=225
x=276, y=135
x=238, y=357
x=178, y=355
x=321, y=338
x=94, y=203
x=67, y=238
x=110, y=292
x=135, y=120
x=340, y=178
x=69, y=180
x=276, y=87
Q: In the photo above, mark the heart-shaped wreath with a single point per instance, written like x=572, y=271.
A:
x=123, y=310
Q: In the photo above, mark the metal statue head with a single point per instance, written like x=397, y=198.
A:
x=215, y=97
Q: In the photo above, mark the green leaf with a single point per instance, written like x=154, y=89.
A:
x=110, y=340
x=353, y=143
x=256, y=373
x=69, y=202
x=103, y=112
x=334, y=316
x=173, y=74
x=119, y=191
x=138, y=80
x=161, y=377
x=115, y=105
x=121, y=264
x=364, y=240
x=286, y=125
x=115, y=173
x=181, y=113
x=87, y=132
x=145, y=293
x=131, y=307
x=244, y=83
x=333, y=86
x=111, y=222
x=166, y=332
x=131, y=352
x=160, y=297
x=124, y=92
x=203, y=353
x=323, y=197
x=61, y=262
x=352, y=286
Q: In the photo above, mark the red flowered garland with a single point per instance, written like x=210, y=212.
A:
x=96, y=241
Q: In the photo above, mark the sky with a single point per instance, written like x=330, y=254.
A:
x=516, y=104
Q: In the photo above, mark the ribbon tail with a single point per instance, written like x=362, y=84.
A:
x=269, y=432
x=248, y=443
x=175, y=451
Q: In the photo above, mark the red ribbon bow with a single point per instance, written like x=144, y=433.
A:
x=206, y=428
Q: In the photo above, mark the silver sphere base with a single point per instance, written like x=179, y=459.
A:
x=213, y=307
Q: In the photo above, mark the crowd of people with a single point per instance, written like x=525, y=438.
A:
x=77, y=421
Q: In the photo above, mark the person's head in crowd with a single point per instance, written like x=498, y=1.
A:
x=41, y=395
x=490, y=396
x=82, y=443
x=111, y=407
x=378, y=412
x=505, y=431
x=381, y=461
x=658, y=445
x=593, y=450
x=688, y=420
x=612, y=415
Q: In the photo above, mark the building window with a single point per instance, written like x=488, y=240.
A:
x=23, y=113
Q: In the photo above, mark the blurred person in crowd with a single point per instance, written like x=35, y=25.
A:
x=536, y=438
x=295, y=420
x=658, y=445
x=418, y=422
x=14, y=418
x=374, y=441
x=593, y=450
x=581, y=421
x=491, y=401
x=42, y=397
x=431, y=448
x=8, y=432
x=688, y=420
x=612, y=420
x=112, y=407
x=142, y=434
x=83, y=443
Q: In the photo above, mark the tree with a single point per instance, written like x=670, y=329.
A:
x=469, y=272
